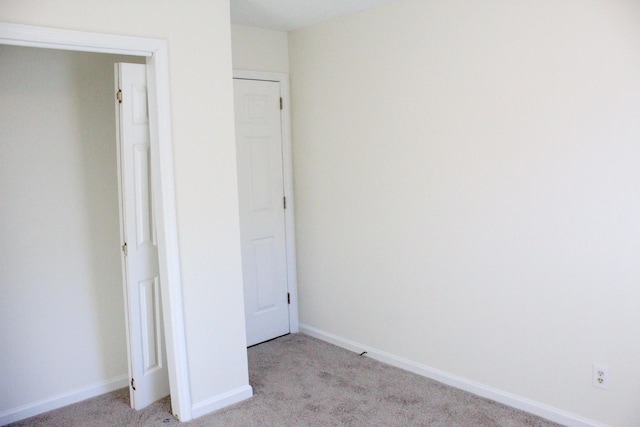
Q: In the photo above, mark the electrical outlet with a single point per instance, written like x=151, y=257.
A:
x=601, y=378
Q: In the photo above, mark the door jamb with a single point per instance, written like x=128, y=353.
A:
x=287, y=166
x=164, y=208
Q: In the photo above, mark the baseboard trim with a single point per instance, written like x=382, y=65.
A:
x=220, y=401
x=506, y=398
x=63, y=399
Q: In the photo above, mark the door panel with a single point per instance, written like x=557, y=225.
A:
x=149, y=315
x=145, y=334
x=261, y=196
x=266, y=278
x=144, y=225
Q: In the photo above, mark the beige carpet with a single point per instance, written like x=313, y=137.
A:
x=300, y=381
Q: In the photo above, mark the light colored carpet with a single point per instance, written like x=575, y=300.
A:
x=300, y=381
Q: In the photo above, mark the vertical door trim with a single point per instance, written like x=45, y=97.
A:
x=164, y=208
x=287, y=170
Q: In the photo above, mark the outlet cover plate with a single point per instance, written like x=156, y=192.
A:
x=601, y=377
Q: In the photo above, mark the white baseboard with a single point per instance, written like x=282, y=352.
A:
x=220, y=401
x=506, y=398
x=64, y=399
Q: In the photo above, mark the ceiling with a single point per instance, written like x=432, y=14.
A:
x=287, y=15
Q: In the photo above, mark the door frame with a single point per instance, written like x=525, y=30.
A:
x=287, y=170
x=156, y=53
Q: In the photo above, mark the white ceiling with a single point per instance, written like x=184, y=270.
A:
x=287, y=15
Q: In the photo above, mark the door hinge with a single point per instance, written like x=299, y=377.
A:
x=119, y=96
x=133, y=384
x=288, y=298
x=124, y=249
x=284, y=202
x=281, y=105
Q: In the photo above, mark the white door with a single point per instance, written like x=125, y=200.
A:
x=149, y=380
x=262, y=204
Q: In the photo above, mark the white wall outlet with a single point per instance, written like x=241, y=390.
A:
x=601, y=378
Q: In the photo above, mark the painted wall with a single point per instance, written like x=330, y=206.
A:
x=467, y=191
x=61, y=300
x=258, y=49
x=198, y=33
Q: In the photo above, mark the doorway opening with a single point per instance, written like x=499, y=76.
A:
x=154, y=53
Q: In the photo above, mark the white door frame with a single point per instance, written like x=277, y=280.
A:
x=287, y=169
x=164, y=208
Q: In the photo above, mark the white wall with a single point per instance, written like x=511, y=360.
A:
x=467, y=191
x=198, y=33
x=61, y=299
x=258, y=49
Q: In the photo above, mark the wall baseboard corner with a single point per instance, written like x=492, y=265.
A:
x=518, y=402
x=220, y=401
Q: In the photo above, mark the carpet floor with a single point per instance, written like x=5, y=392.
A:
x=301, y=381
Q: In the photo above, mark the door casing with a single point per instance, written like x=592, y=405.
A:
x=287, y=169
x=164, y=208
